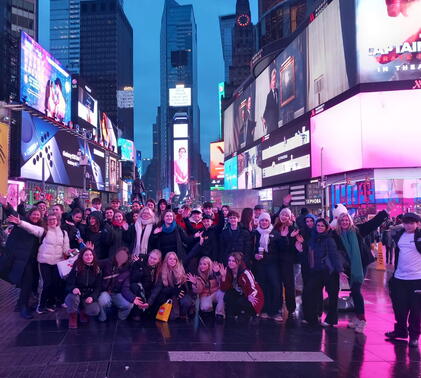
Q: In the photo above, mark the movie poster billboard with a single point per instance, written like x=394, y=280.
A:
x=44, y=84
x=388, y=40
x=181, y=167
x=217, y=165
x=249, y=169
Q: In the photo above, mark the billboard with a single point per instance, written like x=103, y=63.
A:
x=230, y=137
x=107, y=132
x=249, y=169
x=358, y=133
x=4, y=158
x=180, y=96
x=181, y=167
x=388, y=40
x=113, y=174
x=181, y=130
x=331, y=68
x=230, y=179
x=285, y=154
x=44, y=84
x=128, y=150
x=87, y=106
x=43, y=144
x=217, y=165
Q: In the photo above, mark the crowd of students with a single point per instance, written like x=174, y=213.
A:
x=230, y=265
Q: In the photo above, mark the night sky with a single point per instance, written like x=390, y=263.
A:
x=145, y=18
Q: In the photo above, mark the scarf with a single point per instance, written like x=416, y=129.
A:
x=117, y=224
x=264, y=237
x=168, y=229
x=350, y=241
x=143, y=231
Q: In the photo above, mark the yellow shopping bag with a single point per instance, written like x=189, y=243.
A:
x=164, y=311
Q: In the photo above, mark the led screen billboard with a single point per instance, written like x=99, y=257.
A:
x=128, y=150
x=181, y=167
x=230, y=137
x=181, y=130
x=114, y=173
x=249, y=169
x=108, y=137
x=388, y=40
x=369, y=130
x=285, y=154
x=230, y=180
x=44, y=84
x=217, y=165
x=42, y=142
x=180, y=96
x=87, y=107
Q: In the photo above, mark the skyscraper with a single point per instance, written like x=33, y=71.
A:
x=243, y=44
x=226, y=25
x=106, y=59
x=65, y=33
x=178, y=77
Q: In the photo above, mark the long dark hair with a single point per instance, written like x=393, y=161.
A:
x=80, y=265
x=246, y=217
x=239, y=258
x=158, y=206
x=32, y=210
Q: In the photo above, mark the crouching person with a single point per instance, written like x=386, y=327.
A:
x=207, y=286
x=116, y=275
x=243, y=295
x=83, y=285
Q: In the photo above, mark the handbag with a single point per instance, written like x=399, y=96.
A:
x=164, y=311
x=64, y=267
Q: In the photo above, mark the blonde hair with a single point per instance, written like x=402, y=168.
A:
x=352, y=226
x=172, y=276
x=205, y=275
x=279, y=225
x=151, y=213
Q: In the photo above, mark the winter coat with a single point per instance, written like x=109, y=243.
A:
x=204, y=288
x=21, y=249
x=235, y=241
x=54, y=244
x=87, y=281
x=129, y=238
x=176, y=241
x=114, y=278
x=101, y=240
x=247, y=285
x=117, y=240
x=286, y=244
x=72, y=231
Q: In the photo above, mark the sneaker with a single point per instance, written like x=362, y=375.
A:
x=278, y=318
x=40, y=310
x=304, y=321
x=394, y=335
x=352, y=323
x=360, y=326
x=263, y=315
x=51, y=308
x=324, y=324
x=63, y=305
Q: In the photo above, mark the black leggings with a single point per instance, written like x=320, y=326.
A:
x=52, y=286
x=27, y=282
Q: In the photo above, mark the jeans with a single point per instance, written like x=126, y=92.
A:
x=358, y=299
x=288, y=282
x=206, y=303
x=237, y=304
x=106, y=300
x=74, y=303
x=406, y=306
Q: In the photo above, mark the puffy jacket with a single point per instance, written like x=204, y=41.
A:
x=54, y=244
x=87, y=281
x=207, y=287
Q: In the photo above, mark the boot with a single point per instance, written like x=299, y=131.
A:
x=25, y=313
x=73, y=320
x=83, y=317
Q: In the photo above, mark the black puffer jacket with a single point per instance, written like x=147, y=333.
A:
x=239, y=240
x=114, y=277
x=88, y=281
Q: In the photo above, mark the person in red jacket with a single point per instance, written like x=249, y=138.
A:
x=243, y=295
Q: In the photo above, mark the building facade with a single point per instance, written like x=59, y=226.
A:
x=226, y=25
x=106, y=51
x=179, y=93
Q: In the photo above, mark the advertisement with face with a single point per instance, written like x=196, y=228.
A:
x=181, y=167
x=113, y=165
x=217, y=165
x=87, y=107
x=249, y=169
x=368, y=122
x=388, y=40
x=244, y=123
x=230, y=137
x=267, y=102
x=285, y=154
x=331, y=67
x=230, y=181
x=44, y=84
x=108, y=137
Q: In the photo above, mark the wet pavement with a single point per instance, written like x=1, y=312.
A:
x=44, y=347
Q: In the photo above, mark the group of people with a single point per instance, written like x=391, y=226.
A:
x=231, y=265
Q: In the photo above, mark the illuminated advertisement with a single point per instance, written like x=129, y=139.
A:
x=230, y=140
x=44, y=84
x=369, y=123
x=181, y=167
x=43, y=144
x=127, y=149
x=181, y=130
x=113, y=167
x=249, y=169
x=217, y=165
x=108, y=137
x=230, y=179
x=87, y=107
x=330, y=53
x=388, y=40
x=285, y=154
x=244, y=123
x=4, y=158
x=180, y=96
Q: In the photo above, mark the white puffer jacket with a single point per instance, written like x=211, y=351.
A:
x=55, y=243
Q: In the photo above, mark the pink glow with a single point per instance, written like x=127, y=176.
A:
x=370, y=130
